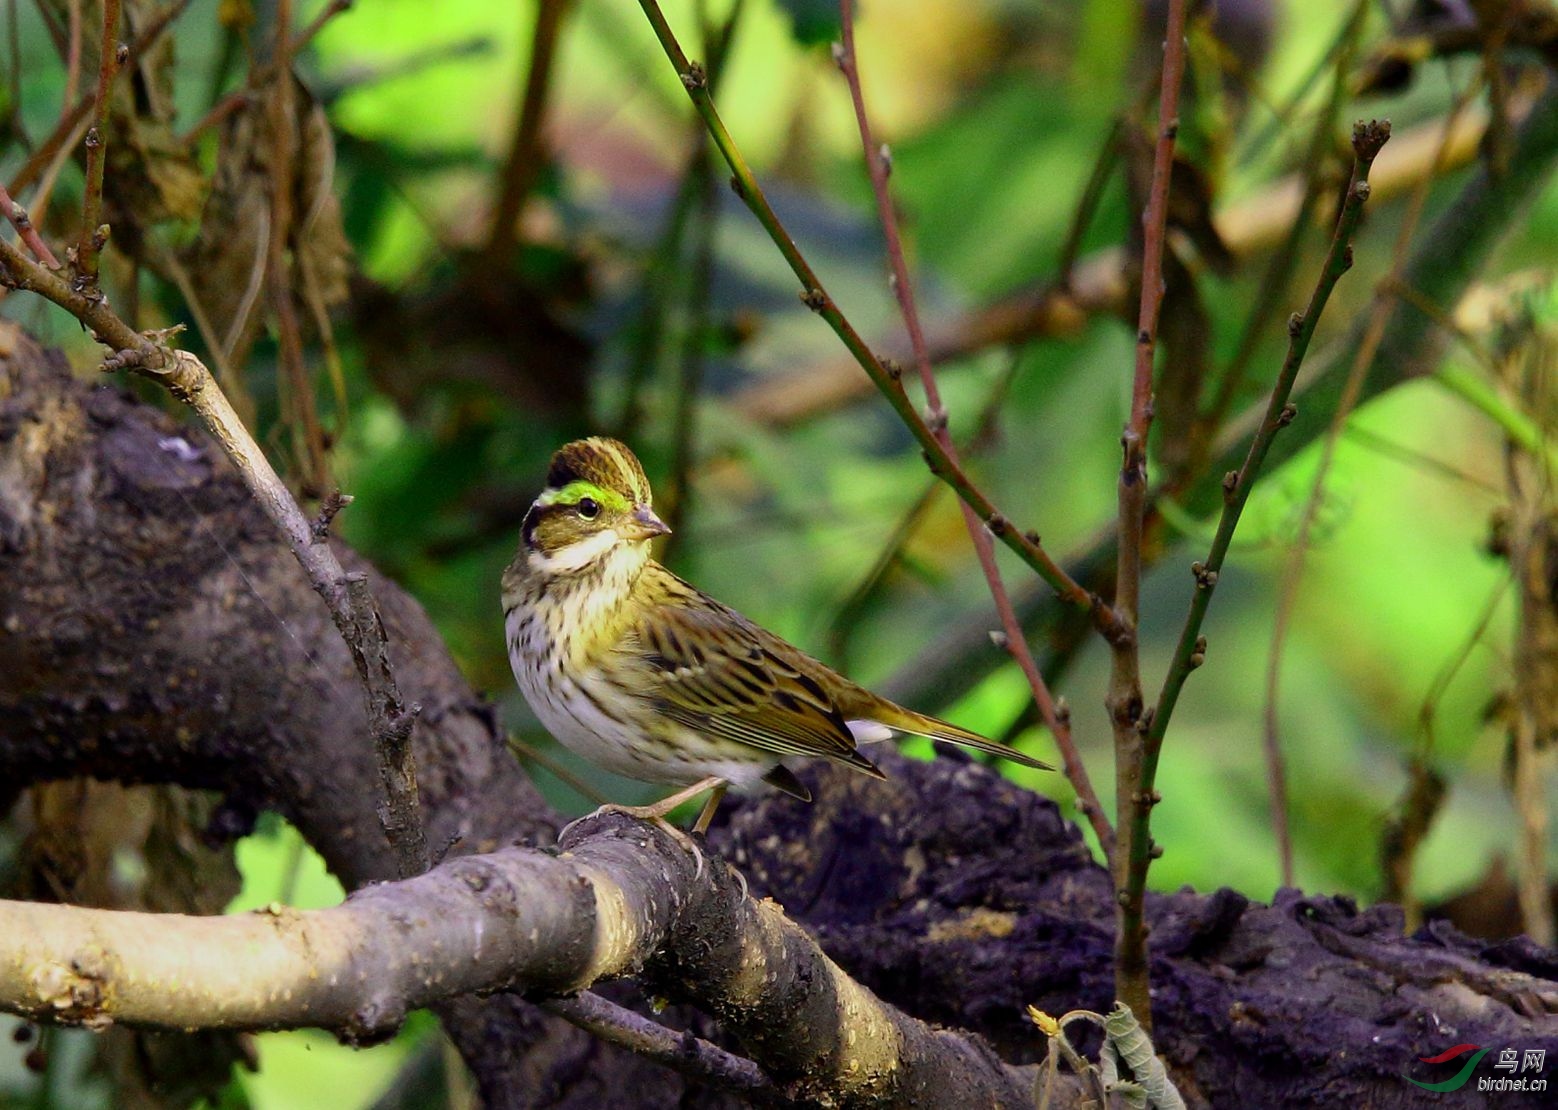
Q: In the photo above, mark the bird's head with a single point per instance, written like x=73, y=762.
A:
x=596, y=505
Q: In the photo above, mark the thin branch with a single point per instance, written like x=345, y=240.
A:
x=1190, y=651
x=317, y=24
x=887, y=379
x=1376, y=320
x=345, y=595
x=93, y=233
x=73, y=53
x=523, y=164
x=1279, y=269
x=26, y=231
x=1104, y=166
x=1099, y=283
x=981, y=534
x=622, y=896
x=692, y=1056
x=44, y=153
x=1124, y=698
x=298, y=400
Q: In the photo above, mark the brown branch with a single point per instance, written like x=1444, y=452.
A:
x=1190, y=650
x=44, y=153
x=886, y=377
x=1099, y=285
x=94, y=234
x=299, y=402
x=26, y=231
x=692, y=1056
x=980, y=533
x=523, y=164
x=1124, y=699
x=73, y=52
x=1376, y=319
x=317, y=24
x=623, y=895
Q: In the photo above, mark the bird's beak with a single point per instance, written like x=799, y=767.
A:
x=648, y=524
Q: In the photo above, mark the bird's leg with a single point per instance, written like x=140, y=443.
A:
x=657, y=810
x=706, y=815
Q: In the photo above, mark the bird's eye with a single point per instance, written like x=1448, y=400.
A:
x=589, y=508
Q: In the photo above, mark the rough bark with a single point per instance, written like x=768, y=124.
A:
x=152, y=629
x=623, y=897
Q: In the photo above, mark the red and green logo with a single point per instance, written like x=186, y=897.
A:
x=1458, y=1080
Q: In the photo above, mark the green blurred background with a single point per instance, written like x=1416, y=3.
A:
x=995, y=112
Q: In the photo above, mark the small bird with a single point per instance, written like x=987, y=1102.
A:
x=647, y=676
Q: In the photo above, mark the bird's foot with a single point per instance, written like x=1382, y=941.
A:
x=656, y=813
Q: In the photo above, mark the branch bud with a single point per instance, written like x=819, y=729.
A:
x=696, y=77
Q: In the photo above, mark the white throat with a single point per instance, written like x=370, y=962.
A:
x=576, y=556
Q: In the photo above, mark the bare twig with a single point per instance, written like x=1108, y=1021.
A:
x=1190, y=651
x=1099, y=282
x=26, y=231
x=692, y=1056
x=93, y=233
x=308, y=435
x=1376, y=321
x=1124, y=698
x=44, y=153
x=73, y=53
x=694, y=79
x=981, y=533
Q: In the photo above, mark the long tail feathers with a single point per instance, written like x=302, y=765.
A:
x=918, y=724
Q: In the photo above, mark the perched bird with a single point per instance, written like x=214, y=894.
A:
x=645, y=675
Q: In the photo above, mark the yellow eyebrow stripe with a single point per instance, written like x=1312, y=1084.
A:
x=574, y=492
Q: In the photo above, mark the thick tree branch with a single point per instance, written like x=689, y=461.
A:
x=622, y=897
x=138, y=648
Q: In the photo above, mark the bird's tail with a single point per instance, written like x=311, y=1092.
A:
x=919, y=724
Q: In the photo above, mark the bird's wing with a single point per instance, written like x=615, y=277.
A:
x=706, y=666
